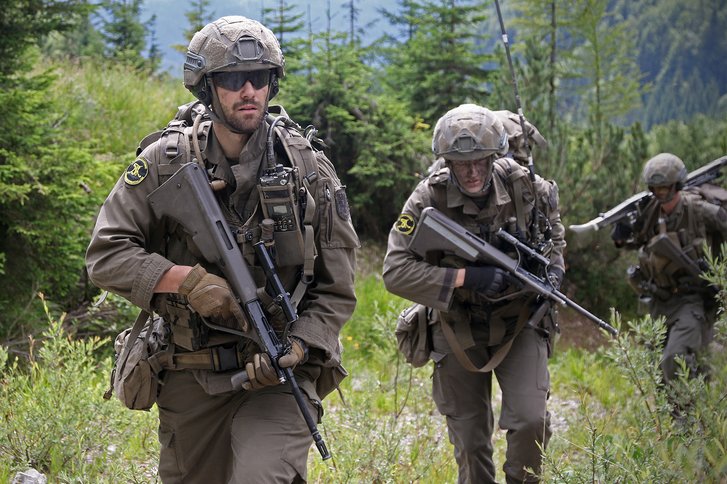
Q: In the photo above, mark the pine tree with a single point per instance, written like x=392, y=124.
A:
x=198, y=16
x=287, y=25
x=123, y=31
x=377, y=146
x=442, y=64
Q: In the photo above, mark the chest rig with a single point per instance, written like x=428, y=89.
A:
x=684, y=229
x=474, y=317
x=516, y=218
x=286, y=202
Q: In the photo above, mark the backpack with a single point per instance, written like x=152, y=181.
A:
x=716, y=195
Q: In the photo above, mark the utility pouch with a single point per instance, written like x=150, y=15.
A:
x=142, y=352
x=412, y=334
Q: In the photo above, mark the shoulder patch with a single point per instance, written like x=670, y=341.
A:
x=136, y=172
x=405, y=224
x=342, y=208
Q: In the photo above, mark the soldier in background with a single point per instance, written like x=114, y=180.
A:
x=517, y=150
x=670, y=284
x=478, y=316
x=209, y=431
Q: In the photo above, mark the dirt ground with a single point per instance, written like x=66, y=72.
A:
x=575, y=330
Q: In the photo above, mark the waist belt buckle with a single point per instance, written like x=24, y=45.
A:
x=225, y=358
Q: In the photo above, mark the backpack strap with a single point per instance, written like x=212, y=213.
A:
x=514, y=176
x=503, y=350
x=302, y=156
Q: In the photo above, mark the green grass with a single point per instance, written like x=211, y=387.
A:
x=610, y=415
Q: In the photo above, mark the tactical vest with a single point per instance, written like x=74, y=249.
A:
x=469, y=305
x=687, y=232
x=524, y=194
x=184, y=140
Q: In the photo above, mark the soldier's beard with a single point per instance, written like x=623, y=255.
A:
x=238, y=122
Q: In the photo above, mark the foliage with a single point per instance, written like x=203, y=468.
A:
x=376, y=145
x=53, y=417
x=124, y=32
x=637, y=438
x=680, y=50
x=612, y=418
x=54, y=148
x=23, y=22
x=439, y=66
x=286, y=23
x=198, y=15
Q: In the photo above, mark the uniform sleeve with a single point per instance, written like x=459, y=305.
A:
x=118, y=258
x=715, y=219
x=408, y=275
x=557, y=229
x=330, y=299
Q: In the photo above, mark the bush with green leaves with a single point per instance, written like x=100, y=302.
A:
x=625, y=428
x=53, y=417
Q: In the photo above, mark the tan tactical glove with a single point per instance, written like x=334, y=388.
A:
x=261, y=372
x=211, y=297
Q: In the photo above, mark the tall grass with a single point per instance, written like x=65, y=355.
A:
x=110, y=108
x=612, y=417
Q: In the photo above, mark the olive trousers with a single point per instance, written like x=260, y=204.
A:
x=465, y=398
x=241, y=437
x=689, y=330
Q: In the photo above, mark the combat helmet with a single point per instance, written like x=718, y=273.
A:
x=232, y=43
x=665, y=169
x=469, y=132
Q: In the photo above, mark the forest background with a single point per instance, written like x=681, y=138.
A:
x=608, y=83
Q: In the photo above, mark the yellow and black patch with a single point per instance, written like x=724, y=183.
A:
x=405, y=224
x=136, y=172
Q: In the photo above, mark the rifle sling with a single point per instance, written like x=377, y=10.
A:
x=503, y=350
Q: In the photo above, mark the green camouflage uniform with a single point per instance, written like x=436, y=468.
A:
x=209, y=433
x=464, y=397
x=685, y=302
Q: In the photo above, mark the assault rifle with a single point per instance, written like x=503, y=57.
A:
x=628, y=209
x=187, y=198
x=664, y=246
x=436, y=231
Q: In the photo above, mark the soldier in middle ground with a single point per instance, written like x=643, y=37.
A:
x=477, y=309
x=684, y=221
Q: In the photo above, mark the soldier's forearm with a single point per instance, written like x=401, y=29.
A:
x=172, y=279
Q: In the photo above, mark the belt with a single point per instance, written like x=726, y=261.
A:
x=216, y=358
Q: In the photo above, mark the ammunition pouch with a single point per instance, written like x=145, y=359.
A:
x=188, y=329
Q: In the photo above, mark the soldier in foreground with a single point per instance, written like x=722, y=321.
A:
x=478, y=314
x=669, y=233
x=209, y=430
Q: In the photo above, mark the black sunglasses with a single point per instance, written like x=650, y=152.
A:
x=233, y=81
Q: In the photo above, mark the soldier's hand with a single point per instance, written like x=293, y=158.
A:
x=489, y=280
x=261, y=372
x=211, y=297
x=555, y=276
x=620, y=233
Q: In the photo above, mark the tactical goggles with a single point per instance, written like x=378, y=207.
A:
x=235, y=80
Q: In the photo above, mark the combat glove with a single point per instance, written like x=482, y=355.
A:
x=620, y=233
x=211, y=297
x=555, y=276
x=489, y=280
x=260, y=370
